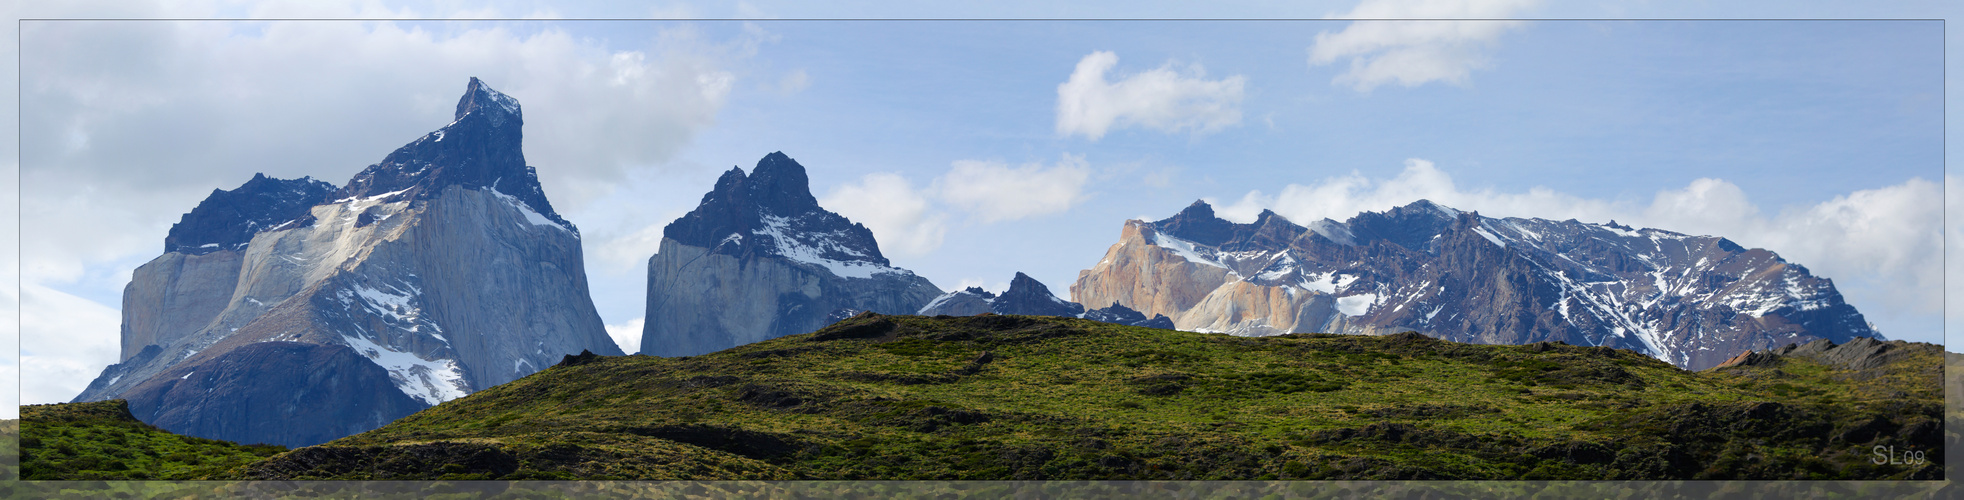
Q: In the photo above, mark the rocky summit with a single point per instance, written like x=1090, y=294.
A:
x=293, y=312
x=760, y=259
x=1693, y=301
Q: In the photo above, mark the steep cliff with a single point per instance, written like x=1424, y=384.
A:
x=759, y=259
x=443, y=267
x=1689, y=300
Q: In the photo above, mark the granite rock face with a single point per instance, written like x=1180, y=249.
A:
x=443, y=267
x=759, y=259
x=1690, y=300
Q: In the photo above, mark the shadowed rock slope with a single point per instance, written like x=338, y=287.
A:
x=1023, y=397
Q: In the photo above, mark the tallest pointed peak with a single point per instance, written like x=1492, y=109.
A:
x=781, y=185
x=480, y=98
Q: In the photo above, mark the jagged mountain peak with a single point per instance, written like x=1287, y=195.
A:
x=1197, y=223
x=480, y=150
x=1411, y=226
x=226, y=220
x=493, y=105
x=771, y=212
x=781, y=186
x=776, y=186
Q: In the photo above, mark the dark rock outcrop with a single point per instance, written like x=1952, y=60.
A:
x=1028, y=297
x=1120, y=314
x=227, y=220
x=286, y=393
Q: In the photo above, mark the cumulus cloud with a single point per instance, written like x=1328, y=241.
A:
x=900, y=217
x=131, y=123
x=995, y=191
x=912, y=221
x=1166, y=98
x=1412, y=53
x=627, y=336
x=1881, y=246
x=58, y=356
x=1343, y=196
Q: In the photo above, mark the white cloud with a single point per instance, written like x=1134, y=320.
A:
x=1162, y=99
x=627, y=336
x=1412, y=53
x=900, y=217
x=1344, y=196
x=910, y=221
x=69, y=341
x=131, y=123
x=1880, y=246
x=630, y=250
x=994, y=191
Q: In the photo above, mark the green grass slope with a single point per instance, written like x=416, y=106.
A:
x=101, y=440
x=1015, y=397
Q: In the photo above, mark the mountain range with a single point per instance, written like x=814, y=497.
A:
x=1693, y=301
x=295, y=312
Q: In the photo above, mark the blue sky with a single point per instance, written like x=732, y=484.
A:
x=979, y=149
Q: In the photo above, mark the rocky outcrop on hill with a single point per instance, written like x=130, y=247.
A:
x=759, y=259
x=443, y=268
x=1862, y=353
x=1690, y=300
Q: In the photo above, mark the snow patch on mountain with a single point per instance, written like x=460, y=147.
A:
x=1185, y=249
x=1356, y=305
x=531, y=216
x=430, y=381
x=779, y=231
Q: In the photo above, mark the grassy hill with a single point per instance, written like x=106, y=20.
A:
x=101, y=440
x=1014, y=397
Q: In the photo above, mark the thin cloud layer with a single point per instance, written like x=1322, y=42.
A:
x=1413, y=53
x=995, y=191
x=1881, y=246
x=1164, y=99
